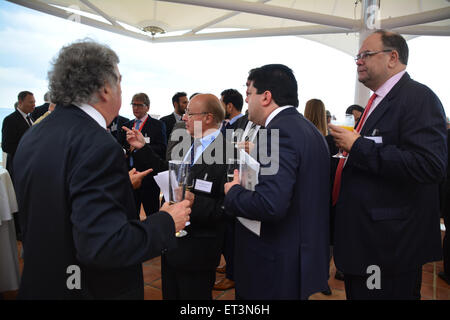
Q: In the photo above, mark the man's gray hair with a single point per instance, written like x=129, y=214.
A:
x=47, y=97
x=80, y=70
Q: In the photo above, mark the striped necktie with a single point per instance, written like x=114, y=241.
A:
x=29, y=120
x=137, y=124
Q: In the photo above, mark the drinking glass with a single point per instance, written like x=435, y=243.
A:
x=178, y=174
x=348, y=123
x=232, y=164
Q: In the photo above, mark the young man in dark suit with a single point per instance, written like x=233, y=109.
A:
x=154, y=132
x=386, y=192
x=283, y=253
x=188, y=272
x=179, y=102
x=232, y=102
x=15, y=125
x=82, y=237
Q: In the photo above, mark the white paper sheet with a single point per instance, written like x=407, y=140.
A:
x=162, y=180
x=248, y=174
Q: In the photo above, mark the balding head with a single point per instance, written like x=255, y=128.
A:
x=211, y=104
x=204, y=108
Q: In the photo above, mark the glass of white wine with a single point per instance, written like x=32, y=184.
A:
x=232, y=164
x=348, y=123
x=178, y=176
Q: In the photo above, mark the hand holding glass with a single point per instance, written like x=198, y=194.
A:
x=178, y=174
x=347, y=123
x=232, y=164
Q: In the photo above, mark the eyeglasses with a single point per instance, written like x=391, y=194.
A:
x=188, y=114
x=365, y=54
x=138, y=105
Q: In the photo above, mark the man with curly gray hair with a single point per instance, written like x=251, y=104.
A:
x=82, y=237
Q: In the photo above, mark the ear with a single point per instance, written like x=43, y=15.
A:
x=104, y=92
x=393, y=58
x=266, y=98
x=209, y=118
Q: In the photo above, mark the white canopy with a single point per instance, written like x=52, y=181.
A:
x=336, y=23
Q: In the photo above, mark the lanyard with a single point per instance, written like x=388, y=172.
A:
x=142, y=125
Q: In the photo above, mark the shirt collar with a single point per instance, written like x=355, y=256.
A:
x=93, y=113
x=24, y=115
x=235, y=119
x=389, y=84
x=177, y=116
x=206, y=140
x=274, y=114
x=202, y=143
x=143, y=118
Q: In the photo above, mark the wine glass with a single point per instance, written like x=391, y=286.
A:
x=232, y=164
x=178, y=174
x=348, y=123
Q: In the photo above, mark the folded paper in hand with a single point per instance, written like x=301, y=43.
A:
x=162, y=180
x=248, y=174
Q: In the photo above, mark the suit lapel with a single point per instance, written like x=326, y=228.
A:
x=384, y=106
x=23, y=123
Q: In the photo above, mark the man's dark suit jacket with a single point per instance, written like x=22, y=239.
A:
x=290, y=258
x=387, y=213
x=149, y=190
x=14, y=127
x=179, y=135
x=77, y=209
x=40, y=110
x=169, y=121
x=201, y=248
x=116, y=127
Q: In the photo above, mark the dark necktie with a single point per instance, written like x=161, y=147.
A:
x=250, y=131
x=195, y=144
x=29, y=120
x=224, y=127
x=340, y=167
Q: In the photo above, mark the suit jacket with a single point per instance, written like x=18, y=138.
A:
x=156, y=131
x=290, y=258
x=14, y=127
x=179, y=134
x=445, y=198
x=201, y=248
x=40, y=110
x=115, y=127
x=77, y=209
x=387, y=213
x=169, y=121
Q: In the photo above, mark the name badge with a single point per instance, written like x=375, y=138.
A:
x=377, y=139
x=147, y=139
x=202, y=185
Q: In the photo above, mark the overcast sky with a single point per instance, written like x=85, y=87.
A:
x=29, y=40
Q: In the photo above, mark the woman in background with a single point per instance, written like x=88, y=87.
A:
x=315, y=112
